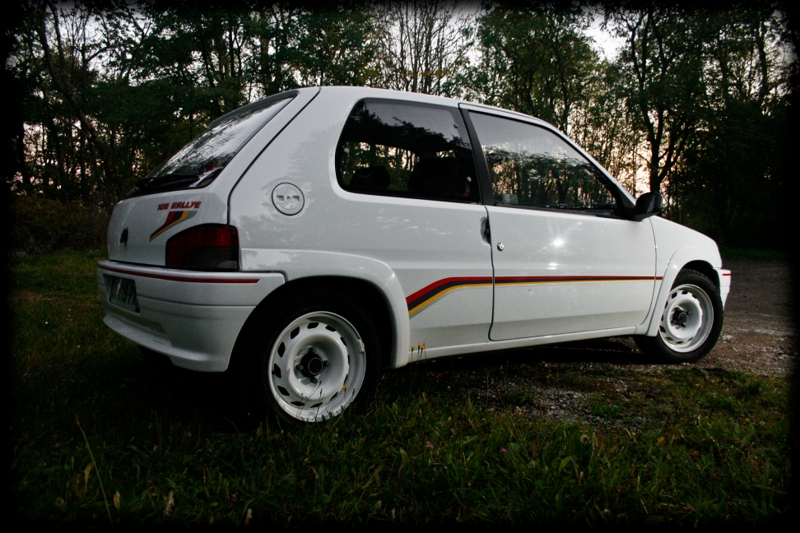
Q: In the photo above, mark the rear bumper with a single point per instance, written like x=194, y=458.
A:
x=193, y=318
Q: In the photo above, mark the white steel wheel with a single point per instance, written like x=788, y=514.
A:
x=310, y=355
x=690, y=322
x=316, y=366
x=687, y=319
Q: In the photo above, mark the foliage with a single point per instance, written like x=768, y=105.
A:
x=536, y=61
x=732, y=174
x=98, y=429
x=693, y=103
x=424, y=46
x=42, y=224
x=752, y=253
x=731, y=178
x=112, y=93
x=661, y=66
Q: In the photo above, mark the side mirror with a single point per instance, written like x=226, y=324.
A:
x=647, y=205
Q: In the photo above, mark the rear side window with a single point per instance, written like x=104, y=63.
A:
x=402, y=149
x=203, y=158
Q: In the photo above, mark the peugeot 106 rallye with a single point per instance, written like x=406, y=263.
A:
x=321, y=235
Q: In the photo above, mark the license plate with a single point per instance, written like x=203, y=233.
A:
x=123, y=293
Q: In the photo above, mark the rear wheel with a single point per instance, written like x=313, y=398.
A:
x=317, y=357
x=690, y=322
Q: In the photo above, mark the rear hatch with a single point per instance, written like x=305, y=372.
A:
x=140, y=227
x=192, y=187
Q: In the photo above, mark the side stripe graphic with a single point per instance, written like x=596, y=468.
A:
x=527, y=280
x=426, y=296
x=429, y=294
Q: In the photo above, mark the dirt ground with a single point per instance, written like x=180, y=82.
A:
x=758, y=335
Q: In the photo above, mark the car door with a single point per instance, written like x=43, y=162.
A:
x=563, y=260
x=408, y=176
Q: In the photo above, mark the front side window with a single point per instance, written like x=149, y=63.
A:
x=403, y=149
x=203, y=158
x=531, y=166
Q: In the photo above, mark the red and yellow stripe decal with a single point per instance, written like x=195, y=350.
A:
x=173, y=218
x=426, y=296
x=539, y=280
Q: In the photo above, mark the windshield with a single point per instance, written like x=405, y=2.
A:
x=202, y=159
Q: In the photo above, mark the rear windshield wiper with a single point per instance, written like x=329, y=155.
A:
x=166, y=181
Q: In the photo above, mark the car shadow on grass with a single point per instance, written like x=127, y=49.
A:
x=218, y=400
x=618, y=351
x=214, y=399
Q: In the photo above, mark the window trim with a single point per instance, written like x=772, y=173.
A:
x=455, y=111
x=254, y=105
x=623, y=202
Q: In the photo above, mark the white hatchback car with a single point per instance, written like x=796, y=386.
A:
x=320, y=235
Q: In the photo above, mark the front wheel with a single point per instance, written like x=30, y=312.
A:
x=318, y=356
x=690, y=323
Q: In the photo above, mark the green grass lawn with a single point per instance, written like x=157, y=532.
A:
x=101, y=433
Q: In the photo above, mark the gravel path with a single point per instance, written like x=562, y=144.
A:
x=758, y=335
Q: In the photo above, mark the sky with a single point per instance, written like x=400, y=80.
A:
x=606, y=43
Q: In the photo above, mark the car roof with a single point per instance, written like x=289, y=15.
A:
x=358, y=92
x=374, y=92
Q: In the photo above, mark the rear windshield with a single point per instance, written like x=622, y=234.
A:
x=202, y=159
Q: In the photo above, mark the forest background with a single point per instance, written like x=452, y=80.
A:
x=694, y=103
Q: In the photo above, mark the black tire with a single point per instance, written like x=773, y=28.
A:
x=314, y=357
x=690, y=322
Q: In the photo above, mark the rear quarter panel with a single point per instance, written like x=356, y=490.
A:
x=356, y=233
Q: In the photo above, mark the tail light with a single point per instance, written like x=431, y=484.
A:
x=205, y=247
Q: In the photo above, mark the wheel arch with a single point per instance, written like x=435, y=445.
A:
x=364, y=294
x=704, y=268
x=692, y=258
x=392, y=331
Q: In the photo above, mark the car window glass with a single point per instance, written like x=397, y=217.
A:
x=531, y=166
x=403, y=149
x=202, y=159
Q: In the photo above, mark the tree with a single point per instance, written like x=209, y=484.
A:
x=423, y=46
x=661, y=66
x=271, y=33
x=602, y=125
x=536, y=61
x=539, y=61
x=59, y=58
x=732, y=174
x=337, y=46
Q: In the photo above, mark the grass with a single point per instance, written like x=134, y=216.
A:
x=450, y=441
